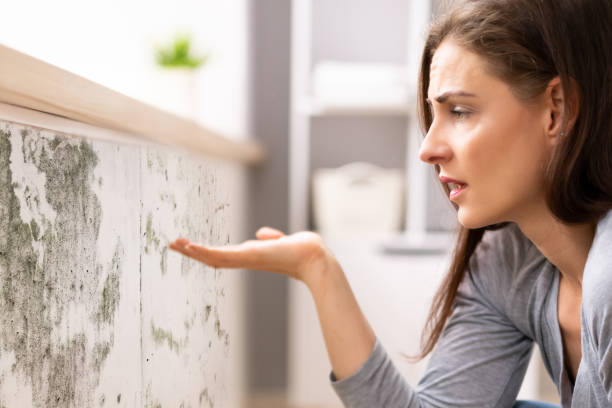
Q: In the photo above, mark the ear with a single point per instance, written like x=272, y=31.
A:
x=554, y=101
x=561, y=110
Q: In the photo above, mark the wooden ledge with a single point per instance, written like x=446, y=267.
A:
x=31, y=83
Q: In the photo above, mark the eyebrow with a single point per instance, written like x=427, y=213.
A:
x=445, y=95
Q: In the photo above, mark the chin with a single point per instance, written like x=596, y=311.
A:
x=475, y=219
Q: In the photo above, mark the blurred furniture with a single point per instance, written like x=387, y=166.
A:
x=357, y=198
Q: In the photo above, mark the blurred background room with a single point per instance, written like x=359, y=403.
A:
x=327, y=87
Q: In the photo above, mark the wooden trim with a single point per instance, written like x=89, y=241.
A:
x=41, y=120
x=30, y=83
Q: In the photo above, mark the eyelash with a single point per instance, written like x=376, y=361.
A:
x=458, y=113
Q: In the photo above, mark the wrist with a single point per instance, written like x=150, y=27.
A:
x=322, y=272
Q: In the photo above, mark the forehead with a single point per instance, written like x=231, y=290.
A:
x=455, y=68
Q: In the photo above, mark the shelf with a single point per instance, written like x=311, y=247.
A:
x=429, y=243
x=313, y=108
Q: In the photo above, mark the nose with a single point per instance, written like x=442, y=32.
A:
x=434, y=150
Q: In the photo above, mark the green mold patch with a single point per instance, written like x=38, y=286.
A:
x=40, y=282
x=35, y=230
x=151, y=238
x=218, y=328
x=222, y=334
x=156, y=162
x=63, y=380
x=205, y=399
x=163, y=263
x=111, y=292
x=153, y=243
x=207, y=311
x=149, y=401
x=161, y=337
x=99, y=354
x=221, y=207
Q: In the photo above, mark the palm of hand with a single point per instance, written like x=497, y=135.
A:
x=292, y=255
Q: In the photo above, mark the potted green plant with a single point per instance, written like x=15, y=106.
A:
x=178, y=54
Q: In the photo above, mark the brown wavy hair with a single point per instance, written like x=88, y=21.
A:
x=527, y=43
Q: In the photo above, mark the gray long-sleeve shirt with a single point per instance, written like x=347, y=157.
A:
x=506, y=302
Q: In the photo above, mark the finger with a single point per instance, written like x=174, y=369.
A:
x=268, y=233
x=178, y=248
x=182, y=241
x=179, y=243
x=220, y=257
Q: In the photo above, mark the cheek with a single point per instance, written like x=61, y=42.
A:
x=507, y=141
x=505, y=162
x=483, y=152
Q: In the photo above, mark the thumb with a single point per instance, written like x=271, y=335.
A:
x=268, y=233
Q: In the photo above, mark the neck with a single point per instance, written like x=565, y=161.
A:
x=565, y=245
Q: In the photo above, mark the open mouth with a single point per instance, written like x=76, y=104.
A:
x=456, y=189
x=456, y=186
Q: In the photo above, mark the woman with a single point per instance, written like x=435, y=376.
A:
x=516, y=101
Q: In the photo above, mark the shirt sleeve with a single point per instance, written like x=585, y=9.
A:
x=479, y=361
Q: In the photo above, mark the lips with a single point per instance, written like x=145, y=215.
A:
x=456, y=186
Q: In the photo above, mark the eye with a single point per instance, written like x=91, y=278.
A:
x=459, y=113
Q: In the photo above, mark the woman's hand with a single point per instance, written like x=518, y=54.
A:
x=302, y=255
x=348, y=336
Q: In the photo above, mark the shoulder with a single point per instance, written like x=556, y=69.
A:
x=600, y=254
x=597, y=278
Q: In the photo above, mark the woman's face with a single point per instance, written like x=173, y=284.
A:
x=485, y=138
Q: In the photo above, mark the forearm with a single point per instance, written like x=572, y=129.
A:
x=349, y=339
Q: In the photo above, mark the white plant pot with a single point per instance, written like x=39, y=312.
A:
x=176, y=90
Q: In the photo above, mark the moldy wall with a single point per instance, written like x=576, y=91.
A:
x=95, y=310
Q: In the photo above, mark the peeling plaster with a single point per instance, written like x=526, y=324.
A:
x=47, y=214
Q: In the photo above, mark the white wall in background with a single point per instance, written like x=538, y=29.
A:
x=112, y=41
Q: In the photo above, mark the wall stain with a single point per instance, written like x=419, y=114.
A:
x=41, y=279
x=207, y=311
x=221, y=207
x=40, y=273
x=221, y=333
x=100, y=353
x=110, y=292
x=163, y=263
x=205, y=398
x=161, y=336
x=149, y=402
x=151, y=238
x=35, y=230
